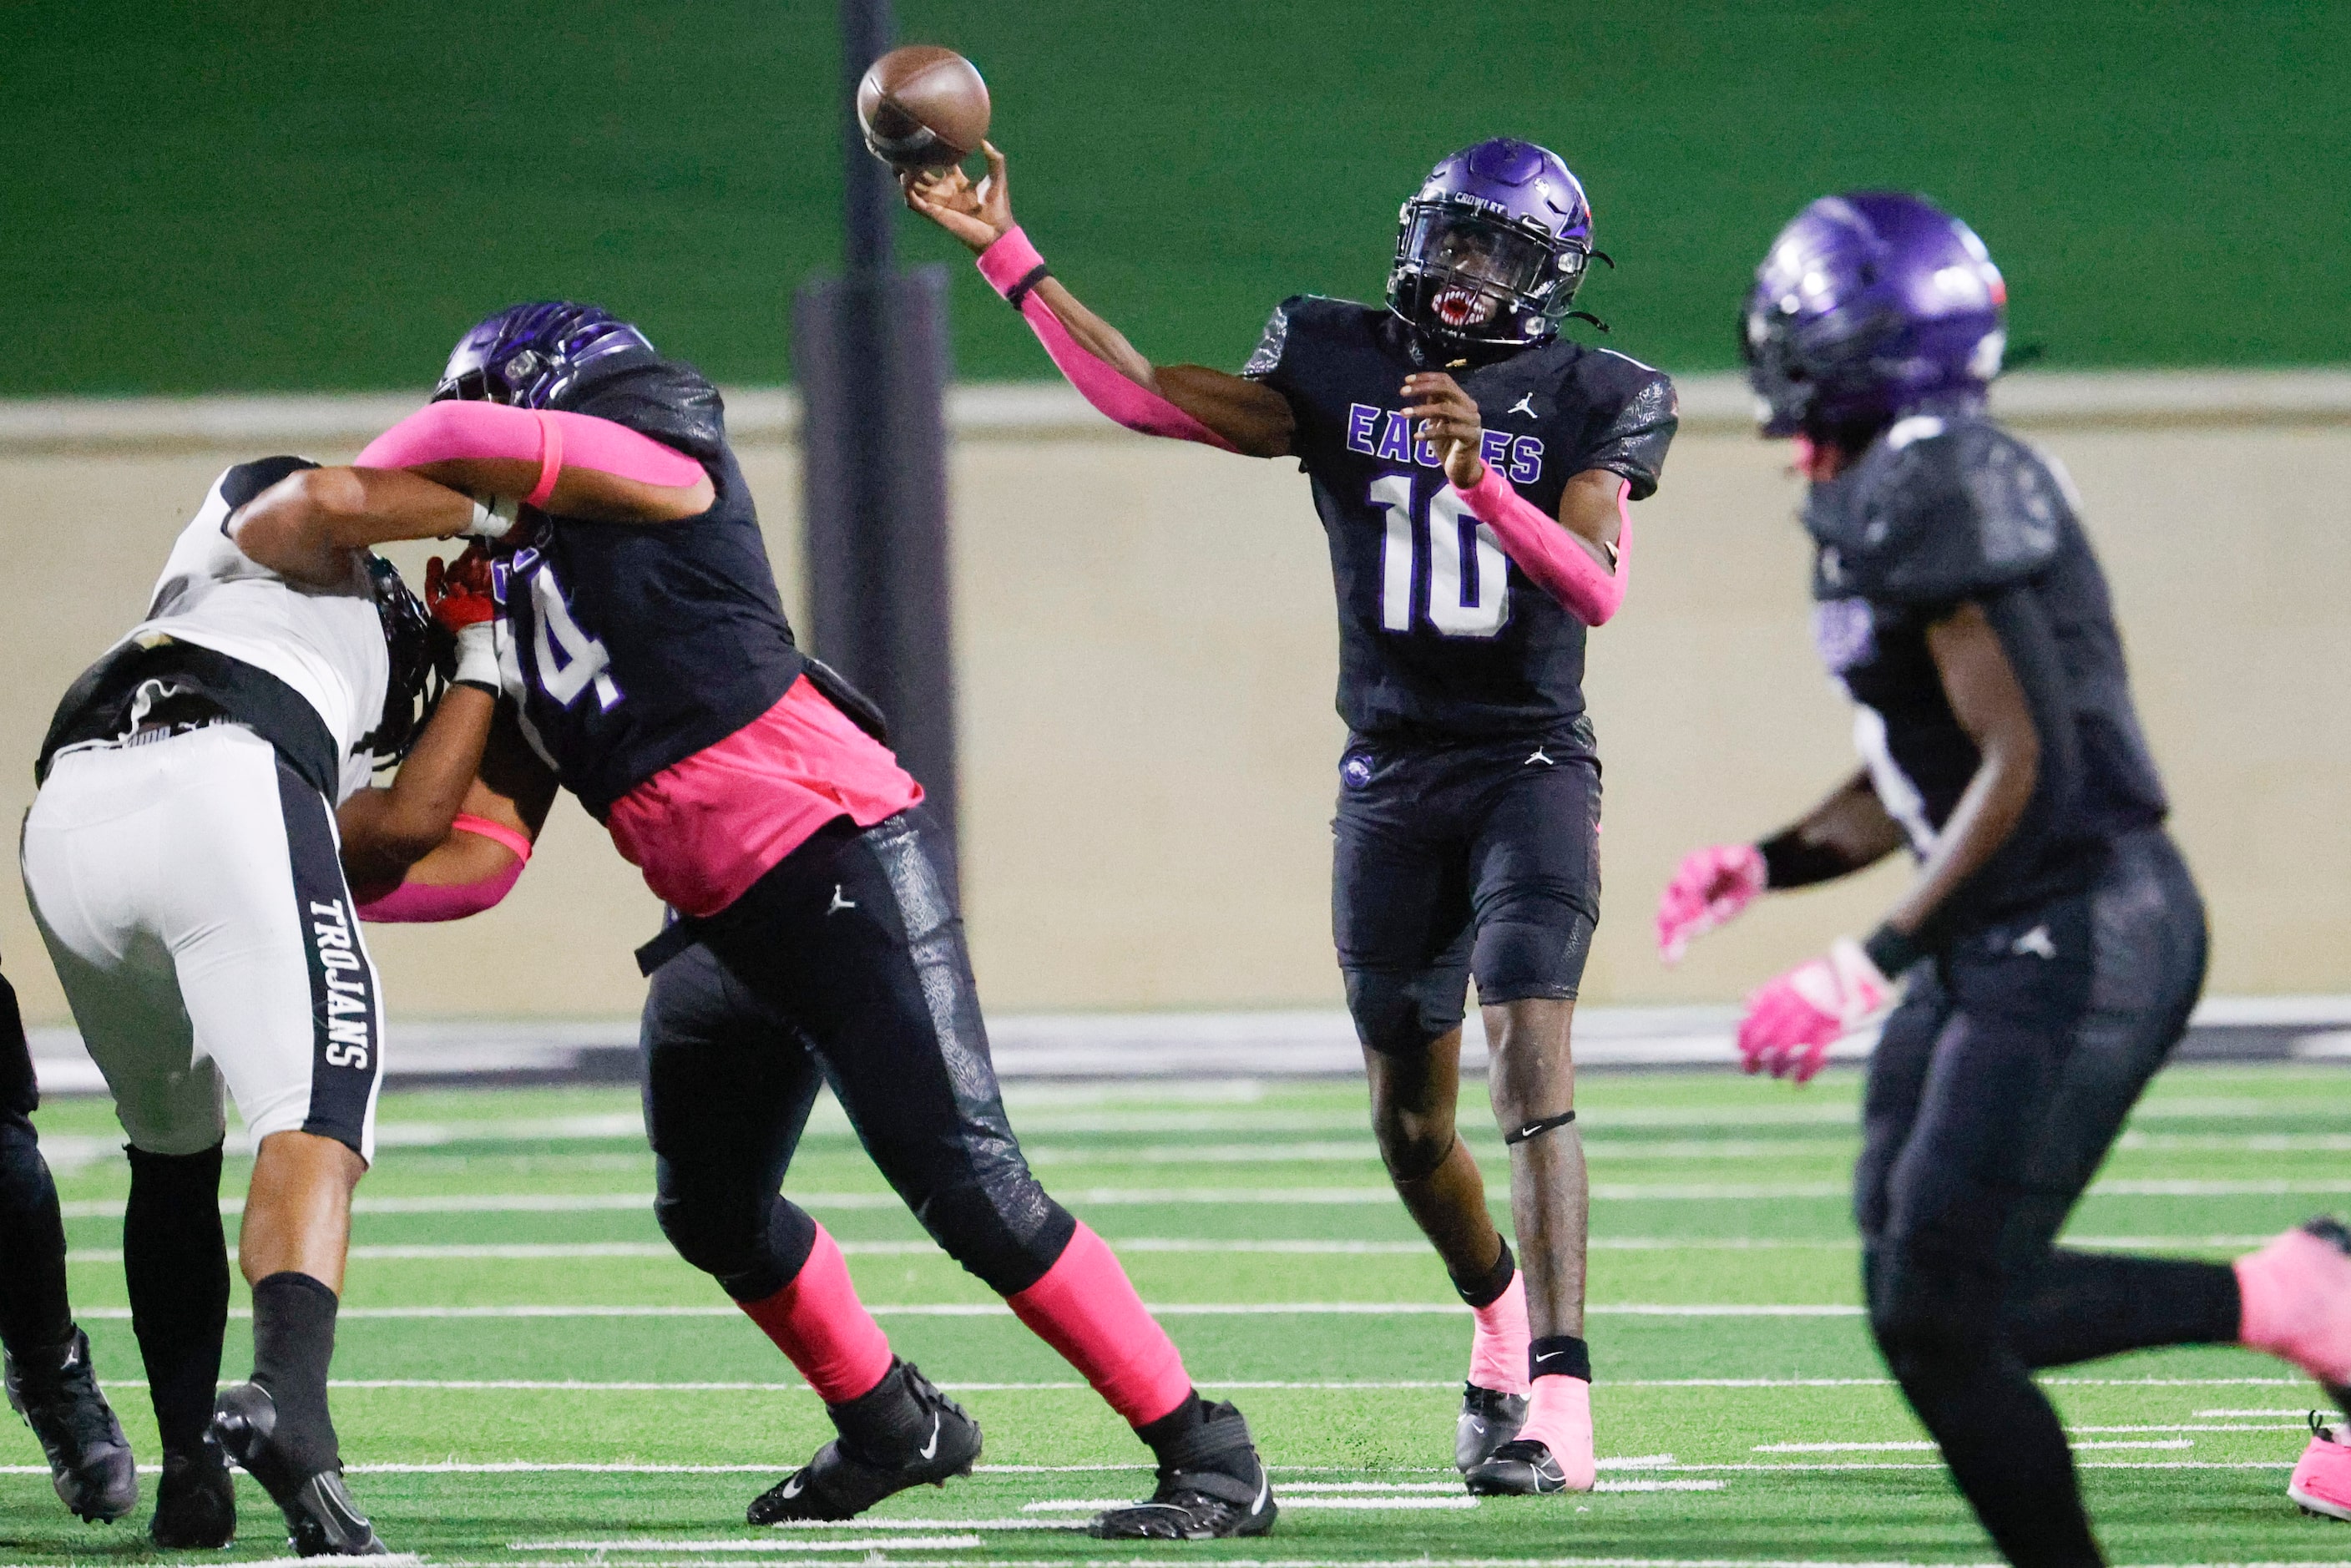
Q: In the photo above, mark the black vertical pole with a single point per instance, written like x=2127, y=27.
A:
x=870, y=350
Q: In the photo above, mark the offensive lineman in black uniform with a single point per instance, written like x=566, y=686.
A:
x=1470, y=467
x=2054, y=943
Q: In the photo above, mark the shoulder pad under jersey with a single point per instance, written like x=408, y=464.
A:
x=1296, y=318
x=1633, y=412
x=1936, y=510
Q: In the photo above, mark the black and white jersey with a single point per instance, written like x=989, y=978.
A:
x=1946, y=509
x=1439, y=633
x=327, y=643
x=629, y=647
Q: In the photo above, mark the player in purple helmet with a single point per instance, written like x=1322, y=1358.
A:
x=2052, y=945
x=1471, y=467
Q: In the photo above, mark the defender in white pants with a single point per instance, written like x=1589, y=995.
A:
x=183, y=862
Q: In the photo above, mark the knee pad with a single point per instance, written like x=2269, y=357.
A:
x=752, y=1246
x=1521, y=957
x=1398, y=1012
x=1928, y=1307
x=1003, y=1228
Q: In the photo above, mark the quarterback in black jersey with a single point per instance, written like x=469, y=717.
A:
x=2053, y=945
x=1471, y=468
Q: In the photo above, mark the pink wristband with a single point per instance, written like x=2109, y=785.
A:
x=1012, y=260
x=496, y=833
x=1544, y=550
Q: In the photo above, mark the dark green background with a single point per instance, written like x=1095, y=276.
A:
x=256, y=194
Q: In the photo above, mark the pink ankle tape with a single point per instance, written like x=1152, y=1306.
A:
x=1012, y=258
x=2286, y=1290
x=1086, y=1309
x=441, y=432
x=1544, y=550
x=823, y=1329
x=1497, y=1343
x=1559, y=1417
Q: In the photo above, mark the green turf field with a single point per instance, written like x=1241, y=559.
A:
x=528, y=1376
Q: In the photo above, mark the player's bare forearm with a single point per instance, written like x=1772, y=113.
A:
x=589, y=494
x=1989, y=702
x=306, y=526
x=1591, y=507
x=1849, y=831
x=385, y=831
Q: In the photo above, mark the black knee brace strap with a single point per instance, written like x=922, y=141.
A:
x=1538, y=1128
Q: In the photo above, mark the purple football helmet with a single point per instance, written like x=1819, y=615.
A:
x=1868, y=305
x=1491, y=248
x=529, y=356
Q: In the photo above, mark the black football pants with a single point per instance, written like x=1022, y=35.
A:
x=34, y=1316
x=844, y=965
x=1996, y=1090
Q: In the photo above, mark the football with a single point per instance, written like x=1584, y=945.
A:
x=922, y=106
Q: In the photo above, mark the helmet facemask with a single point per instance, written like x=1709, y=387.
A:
x=1470, y=276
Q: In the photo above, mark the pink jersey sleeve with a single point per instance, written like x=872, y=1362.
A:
x=1012, y=259
x=1545, y=551
x=442, y=431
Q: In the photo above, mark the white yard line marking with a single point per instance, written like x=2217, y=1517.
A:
x=1400, y=1503
x=1917, y=1448
x=886, y=1544
x=2282, y=1427
x=2303, y=1410
x=997, y=1310
x=1100, y=1197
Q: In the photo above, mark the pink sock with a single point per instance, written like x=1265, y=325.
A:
x=2296, y=1295
x=823, y=1329
x=1559, y=1417
x=1497, y=1344
x=1086, y=1308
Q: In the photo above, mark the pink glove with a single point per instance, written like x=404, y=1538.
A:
x=1711, y=886
x=1791, y=1022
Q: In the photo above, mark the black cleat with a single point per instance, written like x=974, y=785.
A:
x=841, y=1483
x=1212, y=1486
x=320, y=1518
x=90, y=1458
x=1490, y=1419
x=1519, y=1467
x=195, y=1504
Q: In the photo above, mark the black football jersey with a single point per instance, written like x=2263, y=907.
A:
x=636, y=645
x=1942, y=511
x=1439, y=633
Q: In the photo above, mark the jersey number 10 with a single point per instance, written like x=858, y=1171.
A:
x=1469, y=576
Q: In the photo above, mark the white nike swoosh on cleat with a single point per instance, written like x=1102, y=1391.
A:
x=1264, y=1489
x=931, y=1448
x=794, y=1487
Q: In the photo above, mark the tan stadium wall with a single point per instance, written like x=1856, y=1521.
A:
x=1146, y=649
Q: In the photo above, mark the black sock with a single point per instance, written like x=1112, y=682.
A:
x=35, y=1317
x=1559, y=1356
x=1488, y=1288
x=1175, y=1424
x=175, y=1260
x=880, y=1424
x=2085, y=1306
x=293, y=1340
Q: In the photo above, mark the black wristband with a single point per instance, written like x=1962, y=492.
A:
x=1891, y=951
x=1028, y=280
x=1790, y=861
x=477, y=686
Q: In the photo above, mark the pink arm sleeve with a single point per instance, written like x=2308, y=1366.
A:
x=441, y=430
x=1546, y=551
x=1012, y=259
x=419, y=902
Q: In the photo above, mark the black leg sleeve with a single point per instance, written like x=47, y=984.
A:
x=34, y=1314
x=175, y=1261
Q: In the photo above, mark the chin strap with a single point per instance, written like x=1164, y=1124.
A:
x=1538, y=1128
x=1587, y=315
